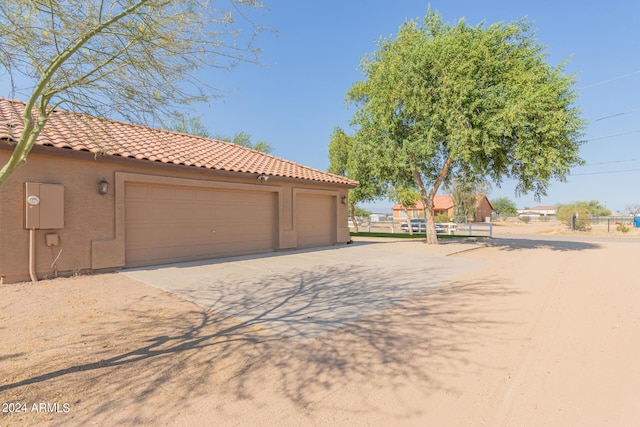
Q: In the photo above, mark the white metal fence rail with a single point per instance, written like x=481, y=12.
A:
x=478, y=229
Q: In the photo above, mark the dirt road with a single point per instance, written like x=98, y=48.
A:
x=544, y=334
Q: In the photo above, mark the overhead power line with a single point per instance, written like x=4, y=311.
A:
x=624, y=76
x=605, y=172
x=613, y=136
x=612, y=161
x=615, y=115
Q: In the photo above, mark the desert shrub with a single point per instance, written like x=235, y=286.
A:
x=525, y=219
x=583, y=225
x=584, y=210
x=622, y=228
x=441, y=218
x=583, y=221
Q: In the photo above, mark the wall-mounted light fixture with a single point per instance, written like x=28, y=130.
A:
x=343, y=200
x=262, y=178
x=103, y=187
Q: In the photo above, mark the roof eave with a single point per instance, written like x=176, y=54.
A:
x=88, y=155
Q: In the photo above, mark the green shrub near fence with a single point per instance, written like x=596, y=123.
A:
x=441, y=218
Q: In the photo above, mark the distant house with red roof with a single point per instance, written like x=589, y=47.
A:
x=99, y=195
x=443, y=205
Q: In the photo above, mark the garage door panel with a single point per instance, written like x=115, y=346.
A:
x=315, y=220
x=202, y=250
x=203, y=195
x=181, y=252
x=137, y=192
x=171, y=224
x=160, y=193
x=202, y=214
x=162, y=254
x=135, y=213
x=183, y=194
x=182, y=213
x=135, y=234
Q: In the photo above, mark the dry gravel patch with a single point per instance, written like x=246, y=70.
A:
x=111, y=350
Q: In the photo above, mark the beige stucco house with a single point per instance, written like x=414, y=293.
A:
x=98, y=195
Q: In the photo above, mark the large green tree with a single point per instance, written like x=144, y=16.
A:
x=132, y=59
x=504, y=207
x=443, y=101
x=346, y=159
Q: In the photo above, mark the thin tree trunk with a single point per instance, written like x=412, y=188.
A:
x=352, y=205
x=427, y=199
x=26, y=141
x=409, y=227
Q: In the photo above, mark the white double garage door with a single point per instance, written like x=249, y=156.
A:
x=167, y=224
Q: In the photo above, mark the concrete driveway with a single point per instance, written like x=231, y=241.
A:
x=306, y=293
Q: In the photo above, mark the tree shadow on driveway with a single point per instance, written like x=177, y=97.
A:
x=140, y=364
x=418, y=341
x=564, y=244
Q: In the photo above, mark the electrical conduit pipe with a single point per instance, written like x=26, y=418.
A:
x=32, y=255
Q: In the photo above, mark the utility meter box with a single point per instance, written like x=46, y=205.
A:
x=44, y=205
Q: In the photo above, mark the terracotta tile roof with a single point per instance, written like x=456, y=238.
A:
x=107, y=137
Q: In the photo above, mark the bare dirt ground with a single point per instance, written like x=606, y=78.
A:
x=554, y=227
x=545, y=334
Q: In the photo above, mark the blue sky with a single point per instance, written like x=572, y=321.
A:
x=296, y=97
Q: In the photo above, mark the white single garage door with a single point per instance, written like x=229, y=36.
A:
x=315, y=220
x=166, y=224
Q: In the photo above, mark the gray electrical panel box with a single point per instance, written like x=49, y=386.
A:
x=44, y=206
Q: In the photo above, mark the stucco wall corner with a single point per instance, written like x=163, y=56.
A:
x=343, y=235
x=107, y=254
